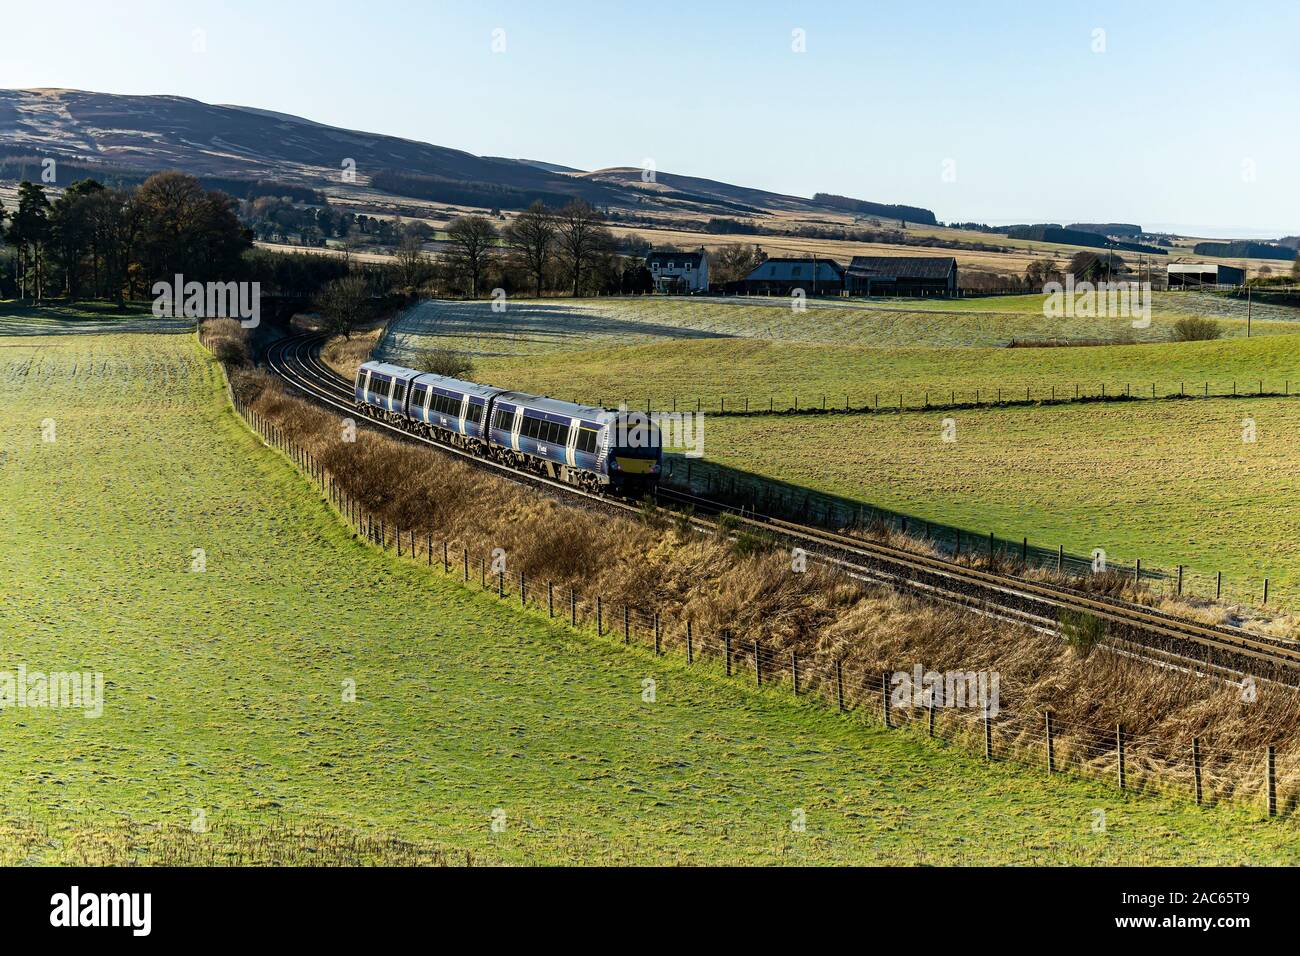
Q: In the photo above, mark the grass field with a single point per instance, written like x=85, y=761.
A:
x=533, y=327
x=780, y=372
x=223, y=689
x=1167, y=482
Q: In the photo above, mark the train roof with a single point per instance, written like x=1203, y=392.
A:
x=393, y=371
x=456, y=385
x=554, y=406
x=429, y=378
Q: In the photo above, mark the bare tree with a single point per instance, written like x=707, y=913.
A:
x=472, y=244
x=344, y=304
x=735, y=261
x=582, y=236
x=412, y=263
x=531, y=237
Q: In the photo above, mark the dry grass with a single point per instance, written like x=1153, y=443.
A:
x=226, y=339
x=750, y=589
x=346, y=355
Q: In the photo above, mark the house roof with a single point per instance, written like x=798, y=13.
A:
x=779, y=269
x=908, y=267
x=696, y=257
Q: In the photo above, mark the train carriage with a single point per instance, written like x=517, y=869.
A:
x=381, y=389
x=454, y=406
x=580, y=444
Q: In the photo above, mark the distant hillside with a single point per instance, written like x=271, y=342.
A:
x=1077, y=237
x=1107, y=228
x=845, y=203
x=1243, y=250
x=122, y=136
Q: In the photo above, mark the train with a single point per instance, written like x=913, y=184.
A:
x=607, y=452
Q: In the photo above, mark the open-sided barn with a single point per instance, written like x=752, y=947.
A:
x=912, y=276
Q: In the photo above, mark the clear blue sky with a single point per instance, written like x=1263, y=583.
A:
x=1163, y=128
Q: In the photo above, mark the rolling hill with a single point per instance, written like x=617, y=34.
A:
x=149, y=133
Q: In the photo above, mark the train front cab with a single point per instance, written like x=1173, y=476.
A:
x=634, y=453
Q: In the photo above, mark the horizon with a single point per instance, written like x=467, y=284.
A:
x=752, y=111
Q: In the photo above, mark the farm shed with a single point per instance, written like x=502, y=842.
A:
x=1193, y=274
x=679, y=271
x=782, y=276
x=912, y=276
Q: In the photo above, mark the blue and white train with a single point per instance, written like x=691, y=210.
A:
x=589, y=447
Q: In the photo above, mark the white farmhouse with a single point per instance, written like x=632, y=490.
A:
x=679, y=271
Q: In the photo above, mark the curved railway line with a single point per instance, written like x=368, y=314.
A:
x=1225, y=652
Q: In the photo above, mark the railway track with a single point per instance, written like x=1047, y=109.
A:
x=1226, y=652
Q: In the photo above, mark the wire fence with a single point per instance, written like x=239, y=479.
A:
x=950, y=398
x=1015, y=553
x=1193, y=768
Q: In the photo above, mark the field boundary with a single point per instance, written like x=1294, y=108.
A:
x=899, y=402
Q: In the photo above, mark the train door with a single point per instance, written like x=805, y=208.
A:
x=516, y=426
x=571, y=449
x=464, y=412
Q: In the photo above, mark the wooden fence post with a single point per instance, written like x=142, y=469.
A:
x=1119, y=744
x=550, y=598
x=1196, y=768
x=794, y=671
x=1051, y=754
x=690, y=643
x=573, y=607
x=466, y=555
x=658, y=643
x=600, y=617
x=930, y=716
x=988, y=737
x=501, y=583
x=1272, y=780
x=758, y=667
x=1218, y=585
x=1180, y=579
x=726, y=641
x=523, y=590
x=839, y=683
x=884, y=697
x=627, y=624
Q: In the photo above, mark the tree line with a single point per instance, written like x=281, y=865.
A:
x=101, y=242
x=569, y=249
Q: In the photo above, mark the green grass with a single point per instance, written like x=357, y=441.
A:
x=1167, y=482
x=737, y=369
x=224, y=687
